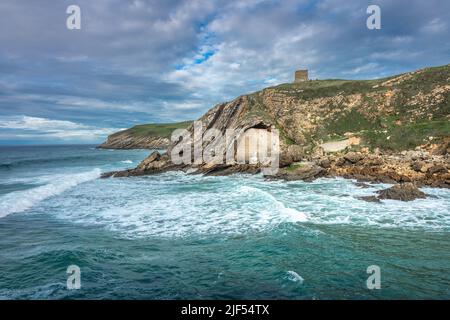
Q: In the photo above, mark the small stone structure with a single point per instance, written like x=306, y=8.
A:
x=301, y=75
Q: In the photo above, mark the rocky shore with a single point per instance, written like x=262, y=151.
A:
x=419, y=167
x=392, y=130
x=409, y=170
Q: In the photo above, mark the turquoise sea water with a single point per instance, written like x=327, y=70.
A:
x=176, y=236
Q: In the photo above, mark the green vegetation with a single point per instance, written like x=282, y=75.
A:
x=353, y=121
x=407, y=136
x=406, y=121
x=326, y=88
x=163, y=130
x=294, y=166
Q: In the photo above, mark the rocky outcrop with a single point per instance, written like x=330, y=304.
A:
x=153, y=164
x=379, y=119
x=131, y=141
x=416, y=166
x=306, y=171
x=145, y=136
x=403, y=192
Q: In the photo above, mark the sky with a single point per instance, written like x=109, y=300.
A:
x=149, y=61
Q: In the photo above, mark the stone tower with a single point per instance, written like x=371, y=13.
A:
x=301, y=75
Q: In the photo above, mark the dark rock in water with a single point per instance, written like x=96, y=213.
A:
x=403, y=192
x=305, y=171
x=107, y=174
x=369, y=198
x=362, y=185
x=224, y=170
x=153, y=164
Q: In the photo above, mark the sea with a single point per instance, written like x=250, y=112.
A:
x=186, y=236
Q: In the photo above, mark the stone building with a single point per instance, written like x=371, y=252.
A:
x=301, y=75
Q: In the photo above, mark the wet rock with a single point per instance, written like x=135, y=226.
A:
x=362, y=185
x=369, y=198
x=403, y=192
x=224, y=170
x=302, y=171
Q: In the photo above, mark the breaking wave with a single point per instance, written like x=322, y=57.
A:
x=20, y=201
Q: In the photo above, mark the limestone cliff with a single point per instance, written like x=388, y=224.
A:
x=320, y=122
x=393, y=114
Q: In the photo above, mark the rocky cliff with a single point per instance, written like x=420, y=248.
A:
x=321, y=121
x=146, y=136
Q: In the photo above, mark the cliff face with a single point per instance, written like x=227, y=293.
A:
x=354, y=129
x=147, y=136
x=130, y=141
x=393, y=114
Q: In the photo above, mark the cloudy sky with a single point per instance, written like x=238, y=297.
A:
x=148, y=61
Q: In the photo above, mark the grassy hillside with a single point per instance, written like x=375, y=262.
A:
x=395, y=113
x=160, y=130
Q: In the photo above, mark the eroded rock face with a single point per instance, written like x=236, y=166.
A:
x=303, y=113
x=154, y=163
x=248, y=131
x=403, y=192
x=130, y=141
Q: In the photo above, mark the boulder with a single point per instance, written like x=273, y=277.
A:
x=353, y=157
x=403, y=191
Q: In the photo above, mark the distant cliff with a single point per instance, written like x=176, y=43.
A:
x=146, y=136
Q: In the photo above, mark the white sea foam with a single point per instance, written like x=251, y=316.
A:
x=126, y=161
x=294, y=277
x=23, y=200
x=180, y=205
x=176, y=205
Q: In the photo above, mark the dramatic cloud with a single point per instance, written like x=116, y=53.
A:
x=157, y=61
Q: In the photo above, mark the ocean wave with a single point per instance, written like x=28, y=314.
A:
x=177, y=206
x=37, y=161
x=294, y=277
x=180, y=205
x=126, y=161
x=20, y=201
